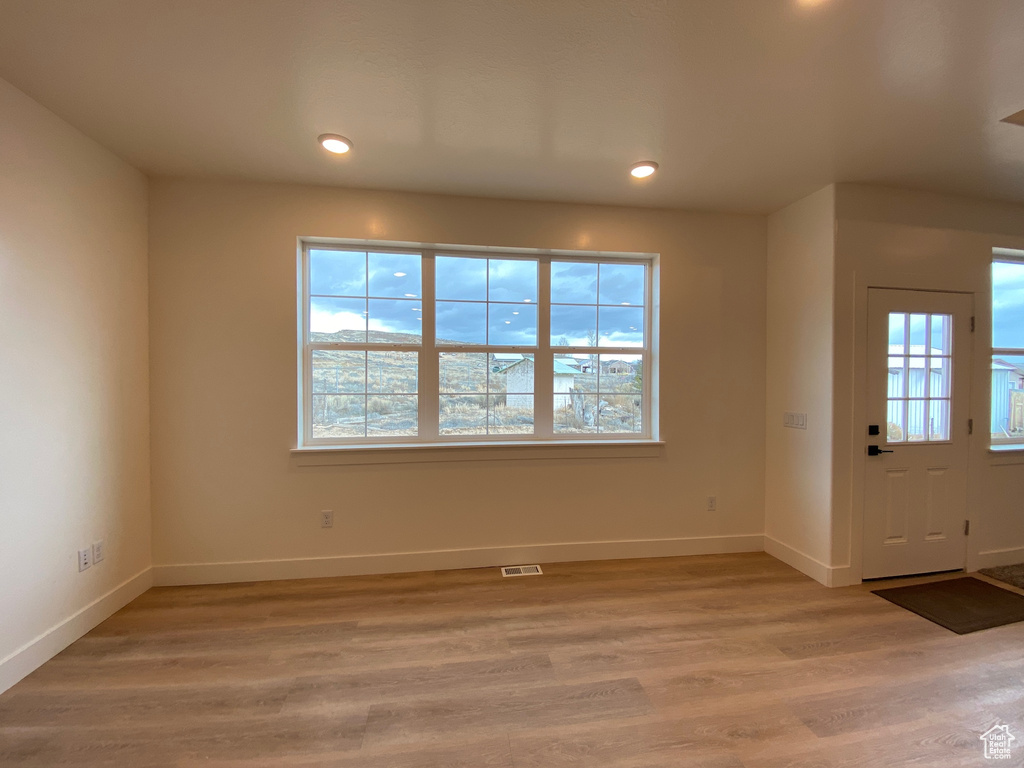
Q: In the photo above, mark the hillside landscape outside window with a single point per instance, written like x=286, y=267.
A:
x=412, y=346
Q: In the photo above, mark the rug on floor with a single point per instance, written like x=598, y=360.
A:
x=1011, y=574
x=961, y=605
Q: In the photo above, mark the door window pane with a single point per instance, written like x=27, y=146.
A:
x=941, y=335
x=896, y=432
x=919, y=375
x=918, y=333
x=938, y=420
x=917, y=412
x=939, y=381
x=897, y=333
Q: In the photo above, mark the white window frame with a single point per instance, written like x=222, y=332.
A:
x=428, y=379
x=1004, y=256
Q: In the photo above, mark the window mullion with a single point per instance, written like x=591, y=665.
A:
x=544, y=378
x=305, y=422
x=429, y=398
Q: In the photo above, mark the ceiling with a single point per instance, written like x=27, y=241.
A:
x=746, y=104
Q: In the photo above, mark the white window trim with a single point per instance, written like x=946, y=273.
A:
x=1002, y=446
x=311, y=450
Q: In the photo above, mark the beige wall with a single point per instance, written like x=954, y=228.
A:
x=899, y=239
x=74, y=437
x=223, y=312
x=798, y=469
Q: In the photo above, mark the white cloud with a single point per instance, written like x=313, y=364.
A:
x=325, y=321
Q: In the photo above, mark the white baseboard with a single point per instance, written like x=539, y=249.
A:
x=993, y=558
x=405, y=562
x=36, y=652
x=825, y=574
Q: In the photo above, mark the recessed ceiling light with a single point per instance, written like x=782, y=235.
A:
x=515, y=313
x=643, y=169
x=527, y=300
x=399, y=274
x=411, y=295
x=508, y=322
x=332, y=142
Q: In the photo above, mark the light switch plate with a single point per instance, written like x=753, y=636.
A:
x=794, y=420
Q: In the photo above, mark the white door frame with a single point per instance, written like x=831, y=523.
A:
x=857, y=455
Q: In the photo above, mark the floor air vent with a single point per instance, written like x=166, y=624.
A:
x=521, y=570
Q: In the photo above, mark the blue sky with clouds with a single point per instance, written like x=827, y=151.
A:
x=1008, y=304
x=479, y=301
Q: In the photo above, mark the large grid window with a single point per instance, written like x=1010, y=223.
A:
x=1007, y=417
x=422, y=346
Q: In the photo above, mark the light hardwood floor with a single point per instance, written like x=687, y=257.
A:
x=727, y=661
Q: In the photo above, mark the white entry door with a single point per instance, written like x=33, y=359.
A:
x=918, y=376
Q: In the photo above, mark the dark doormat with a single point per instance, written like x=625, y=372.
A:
x=1011, y=574
x=961, y=605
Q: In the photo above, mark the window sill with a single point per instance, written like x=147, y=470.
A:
x=326, y=456
x=1012, y=453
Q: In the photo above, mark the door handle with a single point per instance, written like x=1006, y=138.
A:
x=874, y=450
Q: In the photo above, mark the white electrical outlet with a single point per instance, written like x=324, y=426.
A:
x=327, y=518
x=84, y=559
x=712, y=503
x=98, y=551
